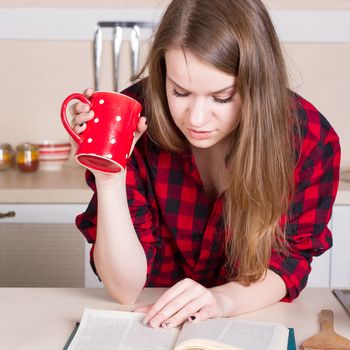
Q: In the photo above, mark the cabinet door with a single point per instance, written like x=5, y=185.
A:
x=340, y=267
x=320, y=271
x=40, y=246
x=41, y=255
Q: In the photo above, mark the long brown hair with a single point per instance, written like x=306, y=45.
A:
x=238, y=38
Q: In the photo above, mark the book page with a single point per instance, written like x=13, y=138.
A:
x=247, y=335
x=117, y=330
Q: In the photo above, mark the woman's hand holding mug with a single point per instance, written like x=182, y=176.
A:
x=81, y=113
x=106, y=127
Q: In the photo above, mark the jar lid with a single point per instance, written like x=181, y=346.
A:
x=5, y=146
x=26, y=146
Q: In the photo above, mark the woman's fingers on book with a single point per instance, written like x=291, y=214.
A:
x=143, y=308
x=164, y=300
x=185, y=299
x=192, y=311
x=203, y=314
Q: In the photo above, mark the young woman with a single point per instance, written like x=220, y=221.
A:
x=231, y=183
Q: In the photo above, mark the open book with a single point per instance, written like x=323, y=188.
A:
x=102, y=329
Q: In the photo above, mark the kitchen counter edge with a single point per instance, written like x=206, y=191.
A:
x=68, y=186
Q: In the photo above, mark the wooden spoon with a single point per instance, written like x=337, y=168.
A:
x=327, y=338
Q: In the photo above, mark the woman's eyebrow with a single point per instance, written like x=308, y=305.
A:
x=213, y=93
x=177, y=85
x=224, y=89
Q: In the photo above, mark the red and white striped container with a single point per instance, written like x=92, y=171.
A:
x=52, y=154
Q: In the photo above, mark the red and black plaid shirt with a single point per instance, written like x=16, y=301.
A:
x=182, y=234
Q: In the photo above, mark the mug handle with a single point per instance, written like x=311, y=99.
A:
x=76, y=96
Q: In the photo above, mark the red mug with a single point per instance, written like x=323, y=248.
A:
x=106, y=142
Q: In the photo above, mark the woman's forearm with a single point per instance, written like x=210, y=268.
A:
x=118, y=254
x=237, y=299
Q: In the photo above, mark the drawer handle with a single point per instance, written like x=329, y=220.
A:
x=9, y=214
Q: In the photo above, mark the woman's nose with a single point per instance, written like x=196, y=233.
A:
x=198, y=113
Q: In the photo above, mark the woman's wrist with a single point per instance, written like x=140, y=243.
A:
x=224, y=300
x=110, y=179
x=236, y=298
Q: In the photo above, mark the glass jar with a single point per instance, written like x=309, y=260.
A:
x=6, y=156
x=27, y=157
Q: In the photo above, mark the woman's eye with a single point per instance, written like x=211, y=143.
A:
x=223, y=100
x=178, y=94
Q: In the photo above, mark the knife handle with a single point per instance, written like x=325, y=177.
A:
x=135, y=49
x=97, y=55
x=117, y=42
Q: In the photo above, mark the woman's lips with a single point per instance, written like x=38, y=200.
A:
x=198, y=134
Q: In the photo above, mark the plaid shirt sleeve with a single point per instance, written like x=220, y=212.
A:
x=139, y=204
x=316, y=179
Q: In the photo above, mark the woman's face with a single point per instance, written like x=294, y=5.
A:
x=203, y=100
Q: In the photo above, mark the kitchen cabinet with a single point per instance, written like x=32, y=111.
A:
x=40, y=246
x=332, y=269
x=321, y=268
x=340, y=257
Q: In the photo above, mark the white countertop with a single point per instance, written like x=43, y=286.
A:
x=43, y=318
x=68, y=186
